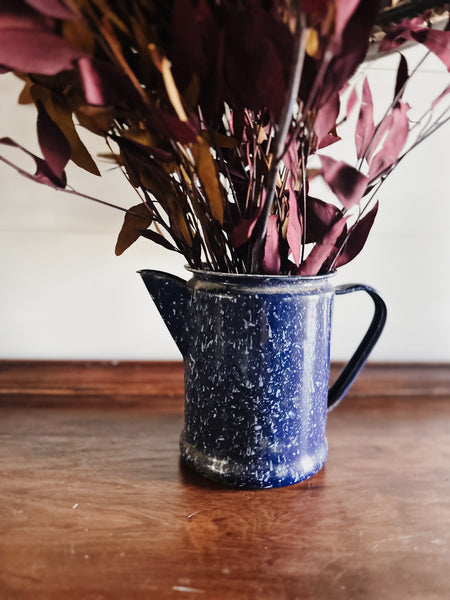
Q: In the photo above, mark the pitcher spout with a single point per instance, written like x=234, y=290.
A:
x=171, y=297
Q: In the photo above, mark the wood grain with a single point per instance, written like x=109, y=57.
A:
x=94, y=503
x=136, y=383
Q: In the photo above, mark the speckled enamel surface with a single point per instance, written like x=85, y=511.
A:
x=256, y=353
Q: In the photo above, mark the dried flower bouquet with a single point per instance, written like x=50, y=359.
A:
x=212, y=109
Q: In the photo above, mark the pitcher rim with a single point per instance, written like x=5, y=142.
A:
x=258, y=276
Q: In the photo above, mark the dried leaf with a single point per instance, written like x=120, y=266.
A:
x=436, y=41
x=312, y=43
x=98, y=119
x=394, y=141
x=131, y=169
x=291, y=158
x=43, y=173
x=253, y=69
x=322, y=251
x=357, y=238
x=271, y=260
x=25, y=95
x=328, y=140
x=207, y=173
x=178, y=221
x=159, y=239
x=344, y=180
x=242, y=231
x=103, y=83
x=111, y=15
x=162, y=63
x=402, y=76
x=181, y=131
x=219, y=140
x=191, y=94
x=352, y=100
x=78, y=34
x=354, y=23
x=53, y=143
x=36, y=51
x=135, y=221
x=326, y=117
x=154, y=178
x=52, y=8
x=294, y=228
x=365, y=126
x=320, y=217
x=344, y=12
x=140, y=136
x=61, y=114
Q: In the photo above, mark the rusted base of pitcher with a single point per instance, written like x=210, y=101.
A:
x=254, y=474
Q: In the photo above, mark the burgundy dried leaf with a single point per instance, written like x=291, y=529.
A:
x=436, y=41
x=257, y=48
x=380, y=132
x=400, y=33
x=397, y=134
x=328, y=140
x=344, y=12
x=53, y=143
x=352, y=100
x=18, y=15
x=365, y=126
x=357, y=238
x=326, y=118
x=36, y=51
x=315, y=7
x=238, y=51
x=294, y=228
x=52, y=8
x=104, y=84
x=290, y=158
x=242, y=232
x=321, y=251
x=43, y=173
x=194, y=41
x=181, y=131
x=272, y=260
x=320, y=217
x=349, y=45
x=95, y=88
x=344, y=180
x=402, y=77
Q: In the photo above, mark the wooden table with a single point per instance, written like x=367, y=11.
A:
x=94, y=503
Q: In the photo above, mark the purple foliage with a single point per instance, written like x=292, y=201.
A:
x=212, y=110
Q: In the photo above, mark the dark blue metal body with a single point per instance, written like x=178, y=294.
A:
x=257, y=353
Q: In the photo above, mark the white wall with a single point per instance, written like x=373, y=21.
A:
x=64, y=294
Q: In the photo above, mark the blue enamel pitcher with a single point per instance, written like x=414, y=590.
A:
x=256, y=352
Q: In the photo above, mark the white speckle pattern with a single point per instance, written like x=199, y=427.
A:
x=256, y=376
x=256, y=352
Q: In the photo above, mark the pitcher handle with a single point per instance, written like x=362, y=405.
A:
x=357, y=361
